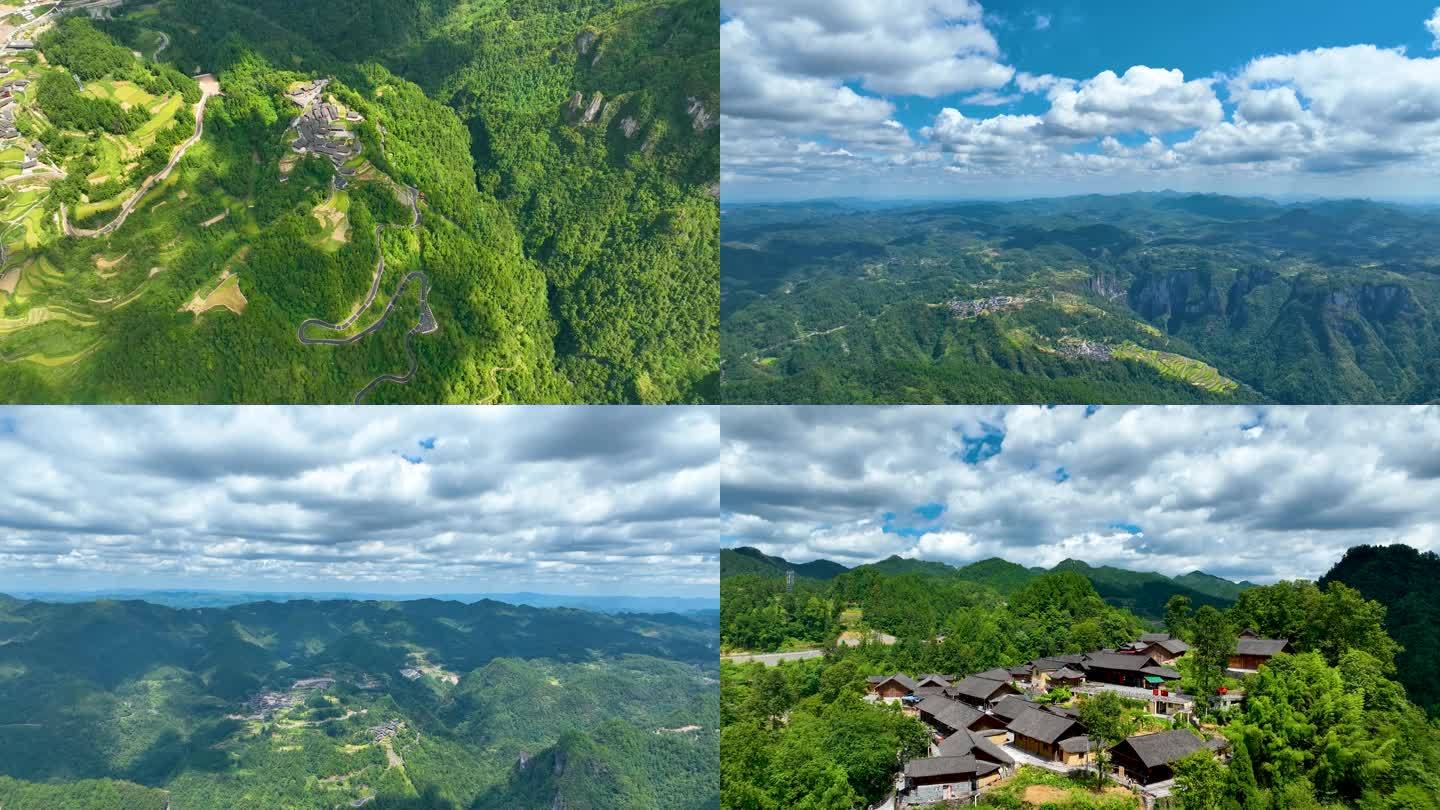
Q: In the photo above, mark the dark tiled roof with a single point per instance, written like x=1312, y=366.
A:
x=1075, y=745
x=940, y=766
x=1174, y=646
x=1162, y=672
x=1067, y=673
x=902, y=679
x=979, y=687
x=1055, y=662
x=1154, y=636
x=1010, y=707
x=1042, y=725
x=995, y=674
x=950, y=713
x=1109, y=660
x=968, y=743
x=927, y=691
x=1164, y=747
x=940, y=680
x=1260, y=646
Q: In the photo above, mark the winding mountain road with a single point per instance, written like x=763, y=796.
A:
x=427, y=322
x=208, y=87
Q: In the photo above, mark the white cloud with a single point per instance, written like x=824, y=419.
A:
x=1042, y=22
x=325, y=498
x=1144, y=99
x=1240, y=492
x=1433, y=26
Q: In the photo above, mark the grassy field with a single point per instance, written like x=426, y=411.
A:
x=1037, y=788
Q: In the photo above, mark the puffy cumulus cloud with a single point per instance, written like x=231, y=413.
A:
x=1329, y=109
x=385, y=499
x=1251, y=493
x=1144, y=99
x=902, y=47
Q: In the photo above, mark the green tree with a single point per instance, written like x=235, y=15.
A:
x=1177, y=615
x=1107, y=721
x=1212, y=642
x=1200, y=782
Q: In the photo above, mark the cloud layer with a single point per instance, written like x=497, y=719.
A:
x=575, y=499
x=811, y=92
x=1245, y=493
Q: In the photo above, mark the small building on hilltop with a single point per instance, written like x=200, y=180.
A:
x=1251, y=651
x=1149, y=758
x=891, y=687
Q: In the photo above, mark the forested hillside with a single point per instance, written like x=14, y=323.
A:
x=313, y=704
x=926, y=584
x=1133, y=298
x=1403, y=580
x=1326, y=726
x=564, y=242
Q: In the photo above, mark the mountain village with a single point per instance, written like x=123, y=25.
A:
x=985, y=725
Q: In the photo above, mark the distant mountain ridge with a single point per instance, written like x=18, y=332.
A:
x=1144, y=592
x=187, y=598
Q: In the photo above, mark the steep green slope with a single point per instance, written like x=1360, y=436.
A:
x=566, y=257
x=1403, y=580
x=91, y=794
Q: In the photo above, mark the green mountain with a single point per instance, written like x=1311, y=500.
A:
x=895, y=565
x=1144, y=593
x=1005, y=577
x=746, y=560
x=421, y=704
x=1133, y=298
x=559, y=243
x=1403, y=580
x=1213, y=585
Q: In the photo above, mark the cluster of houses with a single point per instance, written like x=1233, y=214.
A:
x=9, y=104
x=387, y=729
x=986, y=724
x=264, y=705
x=319, y=129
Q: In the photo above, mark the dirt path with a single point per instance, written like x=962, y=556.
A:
x=208, y=87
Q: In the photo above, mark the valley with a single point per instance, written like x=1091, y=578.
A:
x=363, y=704
x=1136, y=298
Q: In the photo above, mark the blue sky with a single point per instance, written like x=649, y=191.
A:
x=1244, y=493
x=813, y=108
x=576, y=500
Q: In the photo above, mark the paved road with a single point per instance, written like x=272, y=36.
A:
x=426, y=325
x=773, y=659
x=208, y=87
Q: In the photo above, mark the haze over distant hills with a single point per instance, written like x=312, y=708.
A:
x=1144, y=592
x=1135, y=298
x=187, y=598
